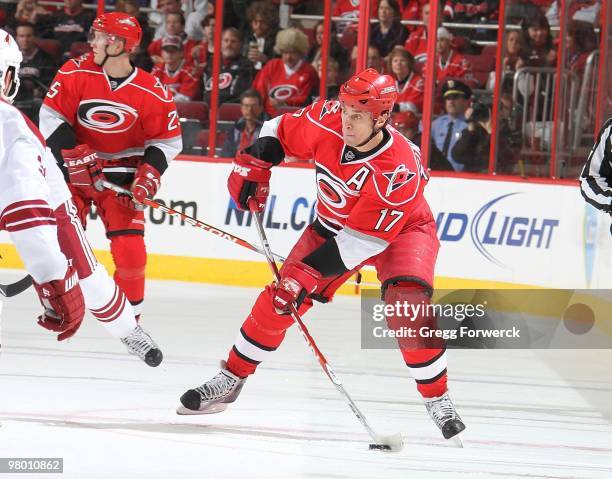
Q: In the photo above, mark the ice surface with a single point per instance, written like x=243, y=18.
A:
x=530, y=414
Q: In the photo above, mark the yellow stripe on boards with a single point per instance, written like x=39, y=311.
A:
x=238, y=272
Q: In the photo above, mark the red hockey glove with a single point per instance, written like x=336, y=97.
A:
x=146, y=183
x=250, y=178
x=64, y=305
x=84, y=167
x=298, y=280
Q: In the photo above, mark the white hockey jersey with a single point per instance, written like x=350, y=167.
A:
x=31, y=188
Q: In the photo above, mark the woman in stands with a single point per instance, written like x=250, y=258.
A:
x=335, y=49
x=410, y=84
x=538, y=50
x=389, y=31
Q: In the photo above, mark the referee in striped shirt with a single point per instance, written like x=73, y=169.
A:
x=596, y=177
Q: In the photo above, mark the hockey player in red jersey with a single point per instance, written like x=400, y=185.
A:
x=99, y=101
x=370, y=210
x=37, y=211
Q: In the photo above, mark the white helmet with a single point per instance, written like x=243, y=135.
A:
x=10, y=59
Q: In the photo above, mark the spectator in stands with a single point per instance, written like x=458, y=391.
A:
x=374, y=59
x=287, y=81
x=175, y=27
x=407, y=123
x=202, y=52
x=476, y=12
x=452, y=64
x=139, y=57
x=410, y=84
x=416, y=43
x=389, y=31
x=193, y=22
x=446, y=129
x=349, y=11
x=174, y=72
x=333, y=80
x=236, y=71
x=261, y=34
x=158, y=18
x=581, y=41
x=335, y=49
x=246, y=129
x=71, y=24
x=514, y=48
x=538, y=49
x=35, y=73
x=472, y=149
x=28, y=11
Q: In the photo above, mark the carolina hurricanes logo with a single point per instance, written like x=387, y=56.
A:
x=329, y=107
x=225, y=80
x=106, y=116
x=282, y=92
x=398, y=178
x=330, y=192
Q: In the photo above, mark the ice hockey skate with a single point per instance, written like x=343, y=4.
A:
x=214, y=395
x=442, y=411
x=140, y=344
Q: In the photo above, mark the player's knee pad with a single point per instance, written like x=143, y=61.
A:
x=130, y=256
x=72, y=240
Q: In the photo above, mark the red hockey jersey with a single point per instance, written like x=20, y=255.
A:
x=182, y=83
x=117, y=123
x=273, y=82
x=412, y=91
x=456, y=66
x=366, y=198
x=416, y=44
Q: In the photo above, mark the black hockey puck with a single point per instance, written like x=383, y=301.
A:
x=379, y=447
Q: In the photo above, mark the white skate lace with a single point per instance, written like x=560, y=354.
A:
x=139, y=342
x=442, y=410
x=219, y=386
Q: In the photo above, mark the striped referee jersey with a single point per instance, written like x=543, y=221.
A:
x=596, y=177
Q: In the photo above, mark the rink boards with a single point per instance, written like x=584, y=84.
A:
x=492, y=233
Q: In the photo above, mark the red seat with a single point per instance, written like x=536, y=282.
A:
x=193, y=110
x=50, y=46
x=482, y=65
x=229, y=112
x=79, y=48
x=287, y=109
x=349, y=38
x=204, y=137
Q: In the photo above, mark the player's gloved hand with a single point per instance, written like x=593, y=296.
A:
x=250, y=178
x=64, y=305
x=298, y=280
x=84, y=167
x=146, y=183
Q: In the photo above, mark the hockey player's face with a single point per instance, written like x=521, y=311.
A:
x=98, y=42
x=357, y=125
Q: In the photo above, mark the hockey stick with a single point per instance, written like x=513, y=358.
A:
x=392, y=443
x=206, y=227
x=192, y=221
x=13, y=289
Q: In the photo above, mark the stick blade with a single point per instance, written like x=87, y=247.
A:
x=16, y=288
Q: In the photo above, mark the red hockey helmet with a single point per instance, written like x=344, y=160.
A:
x=120, y=25
x=369, y=91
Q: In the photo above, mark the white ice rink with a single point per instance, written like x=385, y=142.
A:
x=529, y=414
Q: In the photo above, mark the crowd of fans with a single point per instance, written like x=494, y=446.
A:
x=267, y=69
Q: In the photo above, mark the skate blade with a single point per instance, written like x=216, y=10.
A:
x=216, y=408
